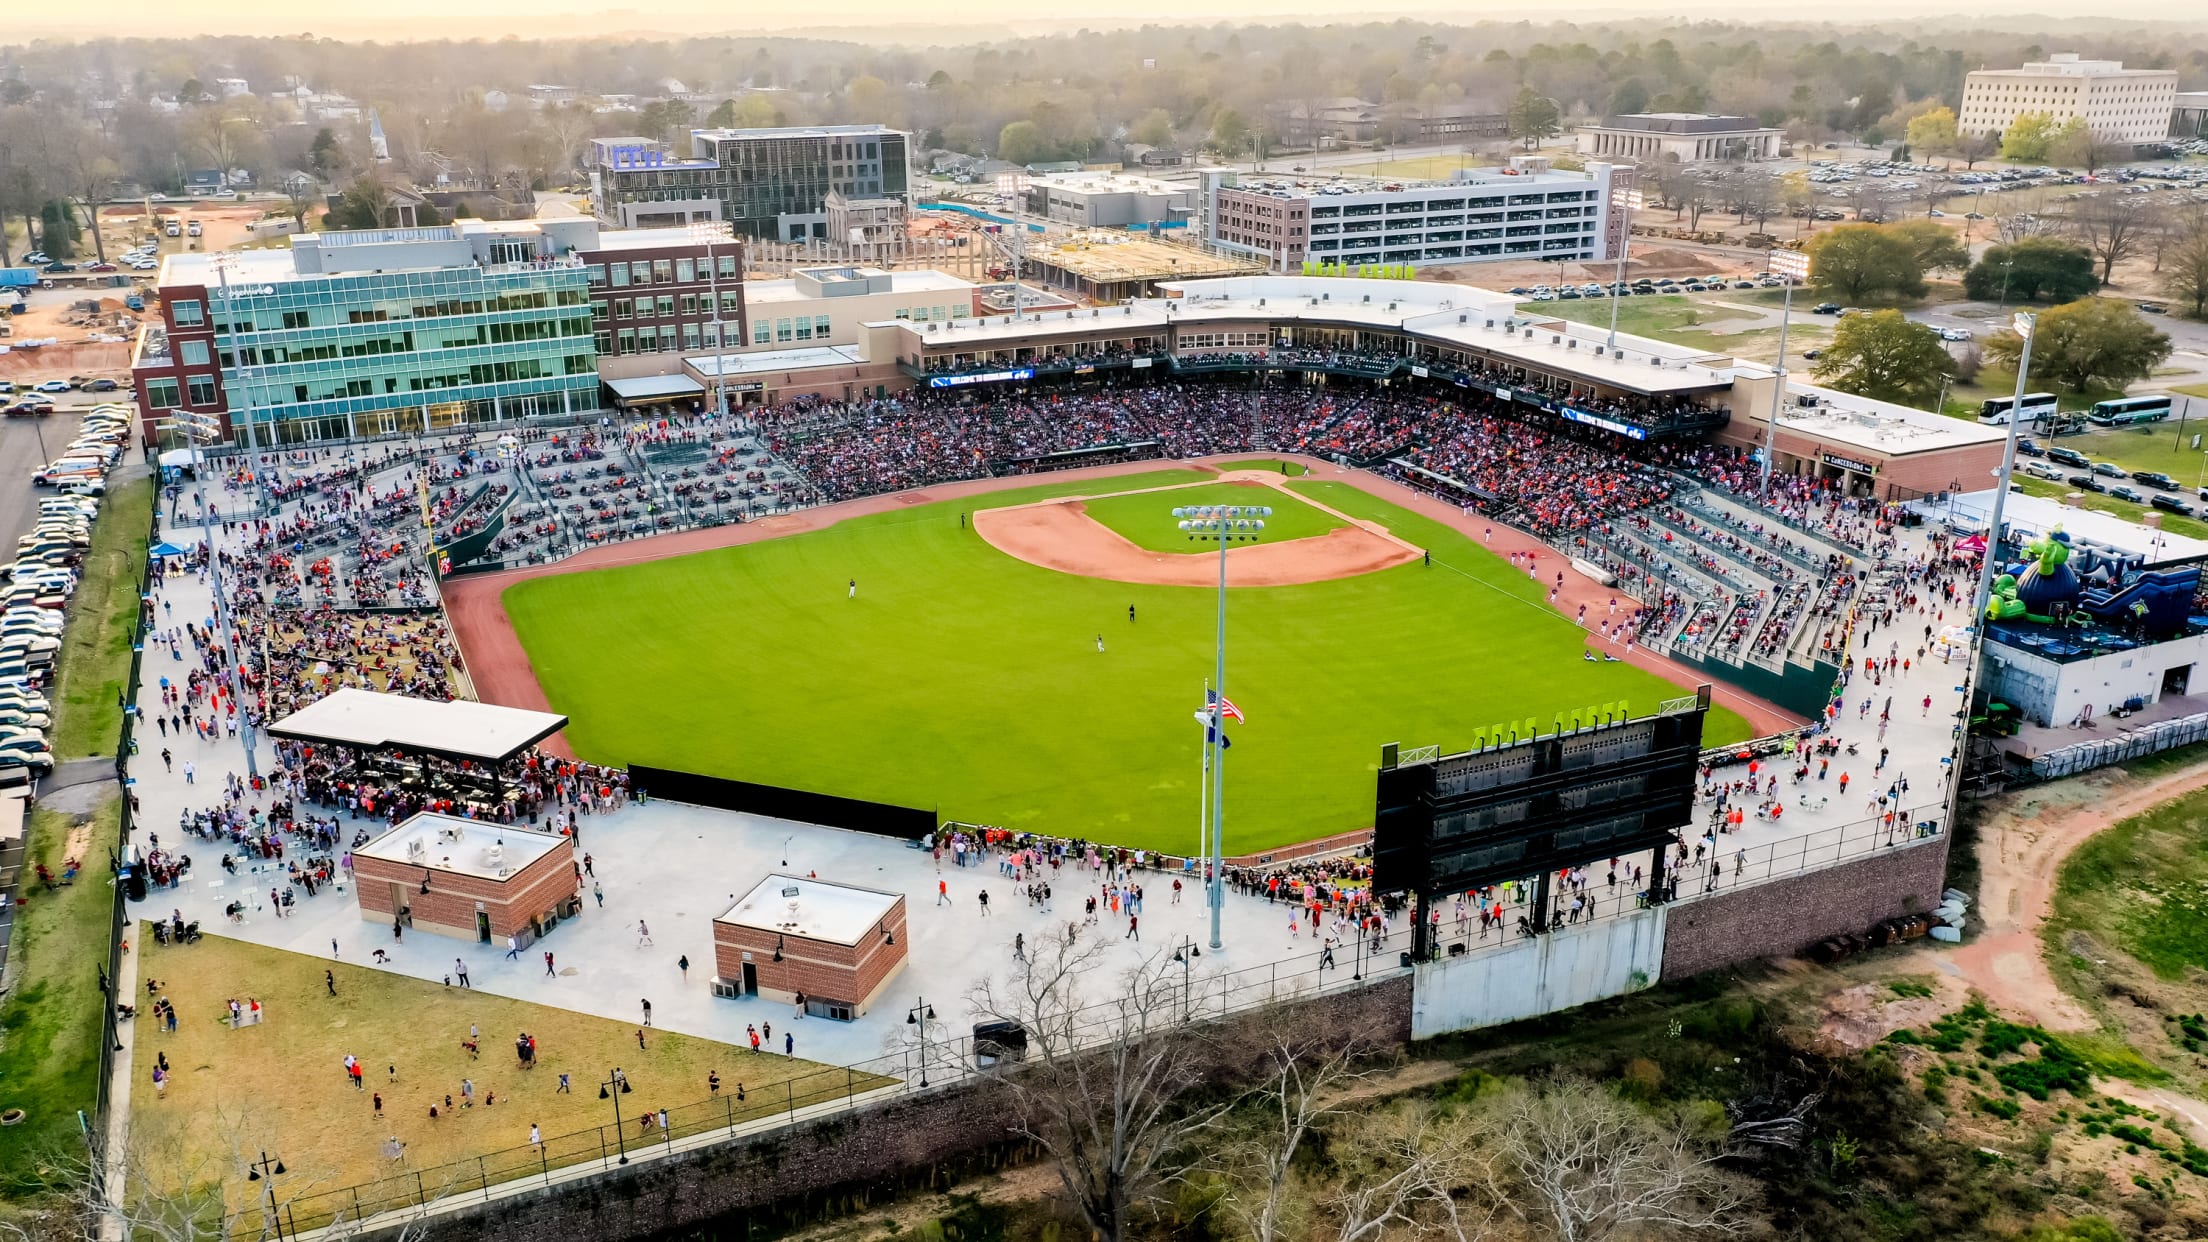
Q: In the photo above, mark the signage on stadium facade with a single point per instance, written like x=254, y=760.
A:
x=981, y=377
x=1850, y=463
x=1596, y=420
x=1420, y=372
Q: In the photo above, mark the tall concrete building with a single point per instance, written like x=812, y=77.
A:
x=2119, y=104
x=772, y=184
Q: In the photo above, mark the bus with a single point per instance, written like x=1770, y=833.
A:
x=2126, y=411
x=2037, y=406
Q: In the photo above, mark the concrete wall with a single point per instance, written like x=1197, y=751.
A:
x=1527, y=978
x=856, y=1156
x=1788, y=916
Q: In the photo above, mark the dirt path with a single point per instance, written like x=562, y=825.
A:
x=1060, y=535
x=2017, y=860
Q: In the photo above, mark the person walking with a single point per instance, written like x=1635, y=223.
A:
x=1099, y=651
x=789, y=1044
x=599, y=893
x=1134, y=931
x=683, y=964
x=647, y=1012
x=536, y=1137
x=329, y=980
x=460, y=972
x=513, y=948
x=942, y=892
x=548, y=964
x=643, y=934
x=854, y=594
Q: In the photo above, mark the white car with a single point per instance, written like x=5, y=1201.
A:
x=36, y=756
x=84, y=487
x=24, y=719
x=1955, y=334
x=52, y=386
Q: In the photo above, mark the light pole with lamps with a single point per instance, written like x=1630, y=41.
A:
x=1778, y=394
x=920, y=1015
x=1185, y=956
x=265, y=1171
x=2024, y=324
x=709, y=232
x=613, y=1088
x=1227, y=524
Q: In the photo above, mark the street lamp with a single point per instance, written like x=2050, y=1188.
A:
x=1778, y=395
x=265, y=1171
x=1186, y=954
x=613, y=1088
x=2024, y=324
x=1227, y=524
x=920, y=1015
x=709, y=232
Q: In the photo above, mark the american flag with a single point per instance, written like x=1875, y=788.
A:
x=1224, y=704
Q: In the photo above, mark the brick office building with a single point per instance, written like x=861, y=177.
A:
x=467, y=878
x=838, y=945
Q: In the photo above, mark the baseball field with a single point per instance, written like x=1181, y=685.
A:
x=988, y=666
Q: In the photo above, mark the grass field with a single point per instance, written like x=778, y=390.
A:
x=50, y=1057
x=965, y=681
x=1145, y=519
x=1660, y=317
x=95, y=653
x=281, y=1086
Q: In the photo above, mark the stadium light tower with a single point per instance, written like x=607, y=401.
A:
x=1227, y=524
x=711, y=233
x=2024, y=324
x=198, y=430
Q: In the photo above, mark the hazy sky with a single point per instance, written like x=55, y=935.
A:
x=943, y=20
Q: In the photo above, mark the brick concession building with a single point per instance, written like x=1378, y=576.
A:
x=836, y=944
x=467, y=878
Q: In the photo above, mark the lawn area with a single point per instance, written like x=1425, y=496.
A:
x=1660, y=316
x=2171, y=522
x=53, y=1017
x=2153, y=446
x=1145, y=519
x=1414, y=168
x=963, y=680
x=95, y=650
x=281, y=1086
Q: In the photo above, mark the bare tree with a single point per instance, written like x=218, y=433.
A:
x=1971, y=148
x=2016, y=226
x=1598, y=1167
x=2113, y=224
x=2185, y=277
x=1411, y=1170
x=1306, y=1081
x=2089, y=148
x=1101, y=1090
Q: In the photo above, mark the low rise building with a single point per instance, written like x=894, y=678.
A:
x=2117, y=104
x=2189, y=114
x=1111, y=200
x=765, y=183
x=838, y=946
x=1680, y=137
x=467, y=878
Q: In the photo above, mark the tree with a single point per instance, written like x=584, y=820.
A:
x=365, y=204
x=2030, y=269
x=1971, y=148
x=2185, y=270
x=1153, y=128
x=668, y=120
x=1856, y=262
x=1933, y=243
x=1933, y=132
x=1885, y=357
x=1100, y=1092
x=2113, y=225
x=90, y=172
x=1022, y=142
x=2081, y=144
x=324, y=156
x=2025, y=140
x=1230, y=132
x=2089, y=343
x=1600, y=1168
x=723, y=115
x=1533, y=119
x=57, y=228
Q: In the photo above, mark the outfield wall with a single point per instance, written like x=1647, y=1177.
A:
x=884, y=819
x=1525, y=978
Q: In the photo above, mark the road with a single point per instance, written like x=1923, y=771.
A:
x=26, y=444
x=2188, y=361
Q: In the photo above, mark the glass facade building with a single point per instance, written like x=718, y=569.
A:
x=767, y=183
x=325, y=357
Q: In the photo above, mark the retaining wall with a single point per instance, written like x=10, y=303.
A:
x=1787, y=916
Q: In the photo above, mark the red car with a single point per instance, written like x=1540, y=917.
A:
x=102, y=267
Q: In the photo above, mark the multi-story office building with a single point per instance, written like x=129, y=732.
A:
x=767, y=183
x=2189, y=114
x=1525, y=212
x=364, y=333
x=2119, y=104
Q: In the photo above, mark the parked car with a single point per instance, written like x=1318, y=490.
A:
x=2155, y=479
x=1825, y=308
x=2110, y=470
x=52, y=386
x=102, y=385
x=2041, y=470
x=2069, y=457
x=2171, y=504
x=1954, y=334
x=2154, y=308
x=2087, y=483
x=2122, y=492
x=35, y=755
x=2028, y=447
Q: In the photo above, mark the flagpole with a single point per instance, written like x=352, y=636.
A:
x=1203, y=797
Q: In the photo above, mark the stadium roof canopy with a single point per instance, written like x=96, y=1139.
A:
x=459, y=730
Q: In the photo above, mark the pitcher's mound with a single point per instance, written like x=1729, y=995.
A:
x=1060, y=535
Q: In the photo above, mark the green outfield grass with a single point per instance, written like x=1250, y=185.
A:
x=1145, y=519
x=965, y=681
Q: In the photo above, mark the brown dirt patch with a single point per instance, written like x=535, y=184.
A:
x=1060, y=535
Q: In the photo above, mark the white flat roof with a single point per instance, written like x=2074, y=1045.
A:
x=467, y=847
x=921, y=281
x=642, y=387
x=457, y=730
x=715, y=366
x=833, y=913
x=1874, y=426
x=2039, y=514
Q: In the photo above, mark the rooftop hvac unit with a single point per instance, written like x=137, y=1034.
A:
x=1464, y=319
x=1327, y=296
x=1391, y=306
x=1368, y=297
x=1554, y=339
x=1129, y=309
x=1598, y=351
x=1656, y=362
x=1573, y=344
x=1806, y=400
x=1491, y=325
x=933, y=326
x=1261, y=301
x=1529, y=334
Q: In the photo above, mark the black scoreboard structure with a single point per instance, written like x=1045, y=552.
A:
x=1525, y=805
